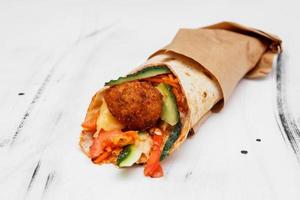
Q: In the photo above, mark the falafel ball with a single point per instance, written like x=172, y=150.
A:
x=136, y=104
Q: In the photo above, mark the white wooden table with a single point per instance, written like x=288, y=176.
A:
x=55, y=55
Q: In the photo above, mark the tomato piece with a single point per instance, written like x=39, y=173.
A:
x=153, y=167
x=90, y=125
x=109, y=140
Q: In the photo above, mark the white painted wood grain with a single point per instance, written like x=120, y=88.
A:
x=63, y=52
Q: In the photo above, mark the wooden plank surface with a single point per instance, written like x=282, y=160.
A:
x=60, y=53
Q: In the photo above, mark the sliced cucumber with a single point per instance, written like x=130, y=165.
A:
x=132, y=153
x=144, y=73
x=170, y=112
x=128, y=156
x=171, y=140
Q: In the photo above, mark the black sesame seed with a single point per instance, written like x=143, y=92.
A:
x=244, y=152
x=191, y=132
x=21, y=93
x=258, y=140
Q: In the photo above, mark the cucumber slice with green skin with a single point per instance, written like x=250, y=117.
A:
x=132, y=153
x=170, y=113
x=171, y=140
x=128, y=156
x=144, y=73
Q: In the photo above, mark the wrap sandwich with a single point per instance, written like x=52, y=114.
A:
x=143, y=117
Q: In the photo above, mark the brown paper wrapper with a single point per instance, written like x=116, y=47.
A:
x=228, y=51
